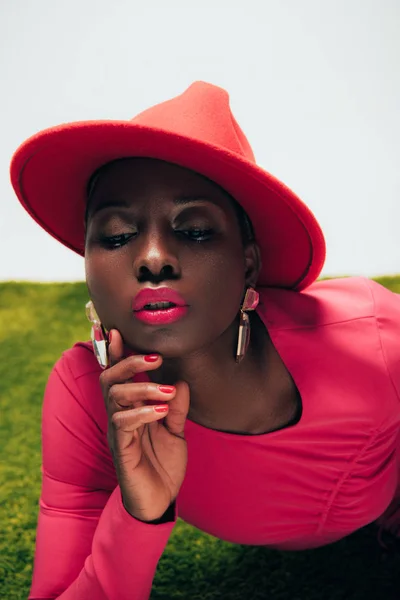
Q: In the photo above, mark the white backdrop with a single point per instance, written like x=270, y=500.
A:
x=314, y=84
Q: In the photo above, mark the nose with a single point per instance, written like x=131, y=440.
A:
x=156, y=258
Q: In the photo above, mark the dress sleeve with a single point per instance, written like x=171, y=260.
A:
x=87, y=544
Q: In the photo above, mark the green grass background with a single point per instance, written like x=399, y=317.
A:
x=38, y=322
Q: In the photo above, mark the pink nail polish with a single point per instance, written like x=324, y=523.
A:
x=166, y=389
x=151, y=357
x=161, y=409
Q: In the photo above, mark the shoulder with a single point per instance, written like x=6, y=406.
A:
x=77, y=372
x=74, y=421
x=326, y=302
x=355, y=319
x=78, y=361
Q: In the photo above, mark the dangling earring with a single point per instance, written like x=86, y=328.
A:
x=250, y=302
x=99, y=336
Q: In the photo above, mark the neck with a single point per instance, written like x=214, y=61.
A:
x=220, y=388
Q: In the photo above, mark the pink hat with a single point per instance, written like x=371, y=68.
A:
x=196, y=130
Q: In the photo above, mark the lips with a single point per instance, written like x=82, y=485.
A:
x=158, y=306
x=151, y=296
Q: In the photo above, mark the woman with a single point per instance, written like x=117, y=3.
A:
x=287, y=437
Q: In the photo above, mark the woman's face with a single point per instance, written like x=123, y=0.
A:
x=152, y=224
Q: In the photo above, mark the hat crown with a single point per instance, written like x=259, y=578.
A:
x=202, y=113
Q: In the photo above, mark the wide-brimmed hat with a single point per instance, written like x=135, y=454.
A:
x=197, y=130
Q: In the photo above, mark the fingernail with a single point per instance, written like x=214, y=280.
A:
x=166, y=389
x=161, y=409
x=151, y=357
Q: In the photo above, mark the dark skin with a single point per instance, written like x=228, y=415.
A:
x=169, y=208
x=149, y=224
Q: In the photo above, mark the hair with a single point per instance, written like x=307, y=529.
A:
x=245, y=224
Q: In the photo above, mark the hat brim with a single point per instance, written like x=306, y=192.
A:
x=51, y=170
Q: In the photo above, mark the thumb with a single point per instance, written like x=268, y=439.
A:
x=115, y=347
x=178, y=409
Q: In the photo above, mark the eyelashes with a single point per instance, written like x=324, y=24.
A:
x=196, y=234
x=115, y=241
x=193, y=234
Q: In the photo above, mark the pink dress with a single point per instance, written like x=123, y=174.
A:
x=300, y=487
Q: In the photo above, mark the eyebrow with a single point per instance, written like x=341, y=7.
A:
x=120, y=203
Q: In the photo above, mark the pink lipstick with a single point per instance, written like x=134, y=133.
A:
x=159, y=306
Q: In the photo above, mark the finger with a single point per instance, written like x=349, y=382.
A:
x=129, y=420
x=126, y=369
x=115, y=347
x=126, y=422
x=178, y=409
x=128, y=395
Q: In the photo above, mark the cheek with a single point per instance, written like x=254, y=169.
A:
x=104, y=269
x=97, y=277
x=222, y=287
x=103, y=283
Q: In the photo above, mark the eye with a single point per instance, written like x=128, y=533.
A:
x=197, y=234
x=116, y=241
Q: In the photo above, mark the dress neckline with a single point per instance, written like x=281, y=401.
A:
x=298, y=419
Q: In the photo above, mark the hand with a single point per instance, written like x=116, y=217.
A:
x=150, y=456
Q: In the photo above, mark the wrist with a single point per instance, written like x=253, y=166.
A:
x=167, y=517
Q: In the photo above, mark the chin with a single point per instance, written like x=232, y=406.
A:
x=161, y=341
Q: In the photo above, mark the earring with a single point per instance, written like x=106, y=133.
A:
x=99, y=336
x=250, y=302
